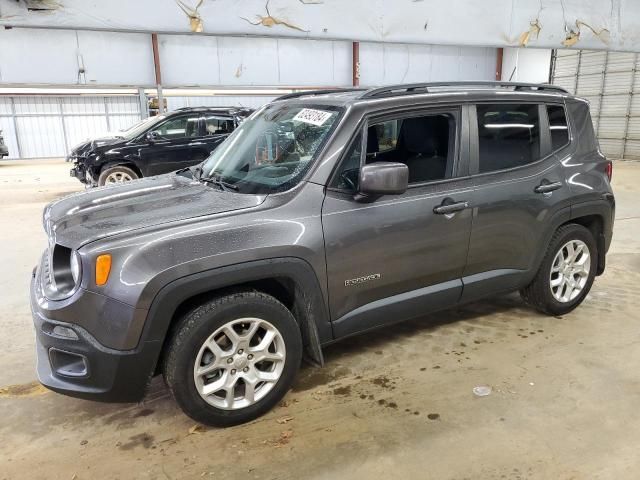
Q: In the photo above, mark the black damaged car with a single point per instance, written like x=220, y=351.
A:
x=157, y=145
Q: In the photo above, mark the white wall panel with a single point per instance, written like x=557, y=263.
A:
x=526, y=65
x=41, y=136
x=130, y=105
x=38, y=56
x=54, y=56
x=390, y=63
x=116, y=58
x=122, y=122
x=83, y=104
x=312, y=62
x=178, y=54
x=48, y=126
x=248, y=61
x=81, y=127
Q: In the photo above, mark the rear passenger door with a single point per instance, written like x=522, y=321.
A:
x=398, y=256
x=519, y=193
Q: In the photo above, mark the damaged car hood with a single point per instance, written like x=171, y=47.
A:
x=103, y=212
x=89, y=145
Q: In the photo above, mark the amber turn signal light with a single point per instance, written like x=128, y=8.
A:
x=103, y=267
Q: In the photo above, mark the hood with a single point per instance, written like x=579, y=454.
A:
x=87, y=146
x=106, y=211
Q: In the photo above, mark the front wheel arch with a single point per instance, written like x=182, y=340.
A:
x=290, y=280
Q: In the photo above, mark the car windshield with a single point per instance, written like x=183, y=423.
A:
x=137, y=129
x=271, y=150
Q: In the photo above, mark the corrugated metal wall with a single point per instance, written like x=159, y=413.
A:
x=218, y=101
x=609, y=80
x=49, y=126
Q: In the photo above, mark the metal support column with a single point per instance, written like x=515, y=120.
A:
x=629, y=104
x=603, y=79
x=15, y=127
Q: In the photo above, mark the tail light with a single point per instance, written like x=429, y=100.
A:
x=608, y=169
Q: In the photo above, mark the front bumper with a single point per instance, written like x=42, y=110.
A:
x=75, y=363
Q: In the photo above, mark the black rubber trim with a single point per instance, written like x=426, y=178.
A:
x=311, y=307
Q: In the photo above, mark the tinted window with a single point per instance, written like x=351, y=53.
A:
x=424, y=144
x=348, y=176
x=217, y=125
x=179, y=127
x=558, y=126
x=509, y=135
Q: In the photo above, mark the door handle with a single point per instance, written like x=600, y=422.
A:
x=448, y=208
x=547, y=187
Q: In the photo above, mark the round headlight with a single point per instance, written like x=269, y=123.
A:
x=75, y=265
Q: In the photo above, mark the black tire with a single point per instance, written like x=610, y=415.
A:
x=538, y=293
x=199, y=324
x=117, y=170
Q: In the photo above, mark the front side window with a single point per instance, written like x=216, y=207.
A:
x=272, y=149
x=558, y=126
x=424, y=143
x=508, y=135
x=179, y=127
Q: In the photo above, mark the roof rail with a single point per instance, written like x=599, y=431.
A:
x=318, y=92
x=411, y=88
x=209, y=107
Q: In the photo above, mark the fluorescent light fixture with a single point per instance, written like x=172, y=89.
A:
x=509, y=125
x=66, y=91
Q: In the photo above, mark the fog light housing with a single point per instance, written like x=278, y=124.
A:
x=64, y=332
x=68, y=364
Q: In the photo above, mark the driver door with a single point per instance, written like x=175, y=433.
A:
x=395, y=257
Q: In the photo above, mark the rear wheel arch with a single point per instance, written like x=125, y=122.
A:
x=291, y=281
x=595, y=223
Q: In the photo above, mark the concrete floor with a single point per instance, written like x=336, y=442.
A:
x=396, y=403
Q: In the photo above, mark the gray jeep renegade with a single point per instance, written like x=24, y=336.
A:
x=324, y=215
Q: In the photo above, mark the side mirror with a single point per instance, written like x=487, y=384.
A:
x=384, y=178
x=152, y=136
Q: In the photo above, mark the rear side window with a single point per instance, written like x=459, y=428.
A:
x=217, y=125
x=558, y=126
x=508, y=135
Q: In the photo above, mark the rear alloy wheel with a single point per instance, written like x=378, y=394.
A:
x=233, y=358
x=117, y=174
x=566, y=273
x=570, y=271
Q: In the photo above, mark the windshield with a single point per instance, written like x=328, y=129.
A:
x=271, y=150
x=134, y=130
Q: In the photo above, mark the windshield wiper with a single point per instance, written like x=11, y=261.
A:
x=218, y=182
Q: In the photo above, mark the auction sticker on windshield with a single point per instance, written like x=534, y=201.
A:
x=312, y=116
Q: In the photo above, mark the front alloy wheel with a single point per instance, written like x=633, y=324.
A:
x=239, y=363
x=232, y=358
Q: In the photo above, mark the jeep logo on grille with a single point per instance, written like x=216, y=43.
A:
x=366, y=278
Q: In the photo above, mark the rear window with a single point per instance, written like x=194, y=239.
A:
x=558, y=126
x=508, y=135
